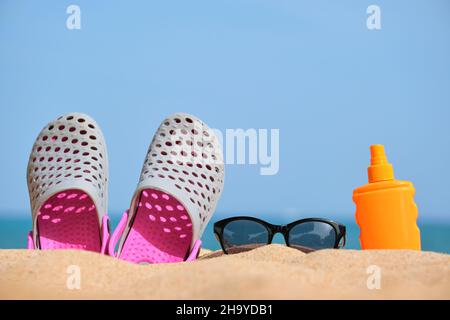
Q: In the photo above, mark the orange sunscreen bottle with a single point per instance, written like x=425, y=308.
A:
x=385, y=209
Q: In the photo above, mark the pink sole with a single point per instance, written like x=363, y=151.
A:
x=68, y=220
x=161, y=231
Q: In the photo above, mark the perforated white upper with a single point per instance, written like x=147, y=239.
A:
x=185, y=160
x=69, y=153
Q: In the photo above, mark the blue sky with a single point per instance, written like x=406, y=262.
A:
x=309, y=68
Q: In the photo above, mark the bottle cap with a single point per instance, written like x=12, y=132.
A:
x=380, y=169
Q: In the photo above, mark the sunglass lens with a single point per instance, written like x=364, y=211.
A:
x=311, y=236
x=244, y=235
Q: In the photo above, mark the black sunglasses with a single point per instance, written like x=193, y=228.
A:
x=241, y=234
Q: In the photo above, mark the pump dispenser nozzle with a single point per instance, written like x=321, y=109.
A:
x=380, y=169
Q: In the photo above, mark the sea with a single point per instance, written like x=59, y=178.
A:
x=435, y=236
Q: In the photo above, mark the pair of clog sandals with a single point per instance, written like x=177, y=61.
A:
x=180, y=185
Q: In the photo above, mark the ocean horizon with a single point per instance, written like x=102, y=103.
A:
x=435, y=236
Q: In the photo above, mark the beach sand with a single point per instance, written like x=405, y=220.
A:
x=271, y=272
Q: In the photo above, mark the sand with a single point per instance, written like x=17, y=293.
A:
x=272, y=272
